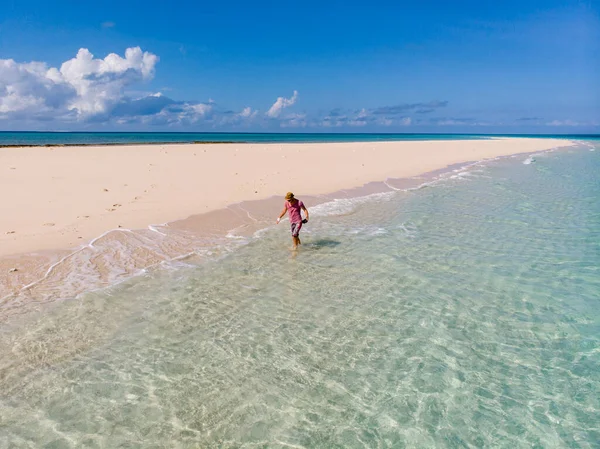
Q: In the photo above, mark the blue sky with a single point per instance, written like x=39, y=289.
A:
x=436, y=66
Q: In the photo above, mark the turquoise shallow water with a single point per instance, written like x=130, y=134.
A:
x=462, y=314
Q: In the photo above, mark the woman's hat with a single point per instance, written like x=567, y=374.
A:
x=289, y=196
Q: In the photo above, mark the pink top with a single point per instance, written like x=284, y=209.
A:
x=294, y=211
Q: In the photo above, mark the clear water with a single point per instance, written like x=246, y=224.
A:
x=91, y=138
x=463, y=314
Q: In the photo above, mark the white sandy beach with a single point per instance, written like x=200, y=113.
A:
x=61, y=197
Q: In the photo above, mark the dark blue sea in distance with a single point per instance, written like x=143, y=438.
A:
x=10, y=138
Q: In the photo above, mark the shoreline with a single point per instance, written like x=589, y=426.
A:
x=39, y=272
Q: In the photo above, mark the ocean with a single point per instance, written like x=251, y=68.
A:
x=462, y=313
x=11, y=138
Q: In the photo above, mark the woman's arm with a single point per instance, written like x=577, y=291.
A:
x=305, y=211
x=282, y=214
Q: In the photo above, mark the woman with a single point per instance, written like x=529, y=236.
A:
x=294, y=207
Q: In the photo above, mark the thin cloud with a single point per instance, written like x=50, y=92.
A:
x=403, y=108
x=108, y=24
x=359, y=118
x=280, y=104
x=452, y=121
x=294, y=121
x=564, y=123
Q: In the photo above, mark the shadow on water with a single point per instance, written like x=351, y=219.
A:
x=323, y=243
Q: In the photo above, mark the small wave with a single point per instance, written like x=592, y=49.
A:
x=347, y=206
x=179, y=262
x=261, y=232
x=377, y=231
x=408, y=229
x=153, y=228
x=370, y=231
x=231, y=235
x=462, y=175
x=529, y=160
x=391, y=187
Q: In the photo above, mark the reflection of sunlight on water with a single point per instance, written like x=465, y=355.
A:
x=444, y=315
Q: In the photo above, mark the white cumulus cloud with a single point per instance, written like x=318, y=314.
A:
x=83, y=86
x=87, y=89
x=280, y=104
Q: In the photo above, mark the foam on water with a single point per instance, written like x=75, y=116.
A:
x=346, y=206
x=114, y=257
x=465, y=314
